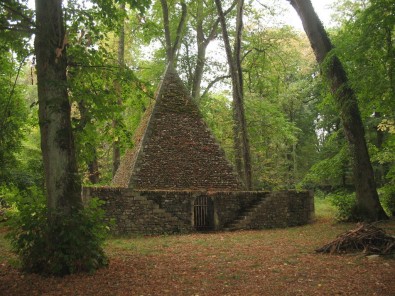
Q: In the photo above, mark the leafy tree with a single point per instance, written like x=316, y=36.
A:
x=44, y=231
x=13, y=114
x=217, y=112
x=57, y=143
x=372, y=70
x=368, y=205
x=281, y=88
x=15, y=27
x=97, y=82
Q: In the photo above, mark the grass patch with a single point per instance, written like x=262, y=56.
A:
x=142, y=245
x=324, y=209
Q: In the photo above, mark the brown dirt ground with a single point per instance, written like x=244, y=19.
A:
x=267, y=262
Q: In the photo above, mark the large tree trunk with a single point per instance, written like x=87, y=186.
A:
x=368, y=204
x=63, y=186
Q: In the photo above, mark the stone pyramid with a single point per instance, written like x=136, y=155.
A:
x=176, y=149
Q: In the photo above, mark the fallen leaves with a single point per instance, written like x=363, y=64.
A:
x=267, y=262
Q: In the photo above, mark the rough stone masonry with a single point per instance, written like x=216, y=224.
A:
x=174, y=165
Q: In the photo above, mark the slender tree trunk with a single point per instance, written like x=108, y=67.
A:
x=93, y=168
x=202, y=44
x=180, y=29
x=380, y=174
x=171, y=49
x=240, y=101
x=62, y=182
x=241, y=143
x=368, y=205
x=166, y=27
x=201, y=52
x=116, y=150
x=391, y=59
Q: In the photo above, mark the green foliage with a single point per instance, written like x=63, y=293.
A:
x=13, y=113
x=345, y=204
x=387, y=196
x=280, y=101
x=29, y=169
x=332, y=171
x=16, y=25
x=365, y=44
x=217, y=112
x=7, y=192
x=103, y=92
x=271, y=135
x=63, y=244
x=15, y=30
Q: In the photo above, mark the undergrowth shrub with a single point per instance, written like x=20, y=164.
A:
x=6, y=192
x=65, y=245
x=345, y=204
x=387, y=196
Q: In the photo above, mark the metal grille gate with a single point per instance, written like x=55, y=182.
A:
x=203, y=213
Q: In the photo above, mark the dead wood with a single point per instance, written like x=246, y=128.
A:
x=365, y=237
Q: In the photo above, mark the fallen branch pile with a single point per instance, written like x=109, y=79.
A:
x=366, y=238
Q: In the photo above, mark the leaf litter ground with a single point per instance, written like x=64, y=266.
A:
x=266, y=262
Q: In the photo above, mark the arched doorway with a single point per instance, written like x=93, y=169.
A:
x=203, y=213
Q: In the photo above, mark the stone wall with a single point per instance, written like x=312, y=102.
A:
x=156, y=212
x=133, y=213
x=227, y=205
x=284, y=209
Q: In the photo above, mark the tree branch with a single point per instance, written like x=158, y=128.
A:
x=211, y=84
x=17, y=28
x=18, y=13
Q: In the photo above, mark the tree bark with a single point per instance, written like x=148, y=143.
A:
x=63, y=188
x=93, y=168
x=180, y=28
x=201, y=52
x=116, y=150
x=368, y=204
x=166, y=27
x=240, y=101
x=241, y=144
x=171, y=49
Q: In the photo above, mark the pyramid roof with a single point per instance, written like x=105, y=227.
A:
x=176, y=149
